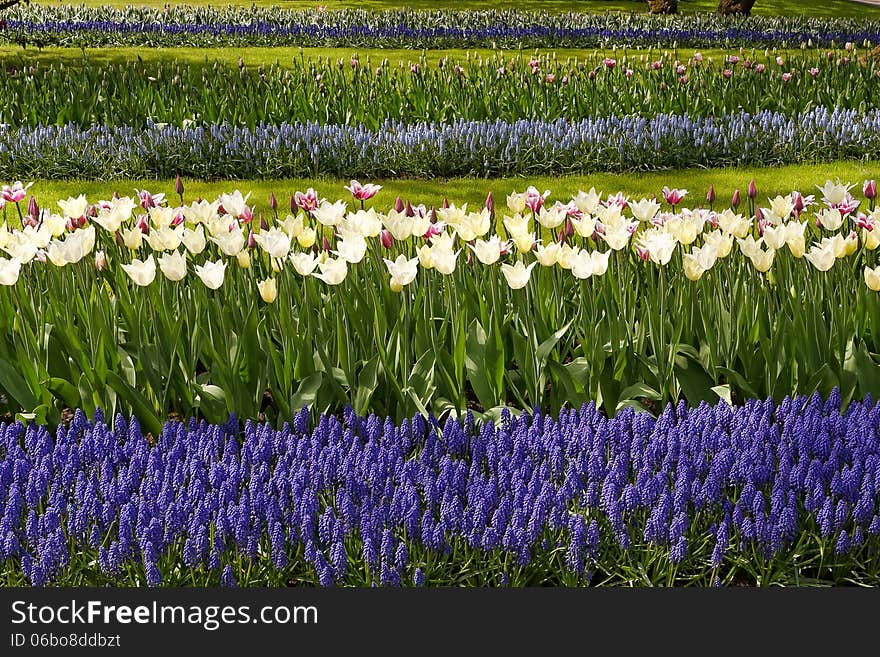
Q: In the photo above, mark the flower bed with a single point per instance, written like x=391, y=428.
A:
x=220, y=306
x=460, y=148
x=497, y=87
x=759, y=494
x=82, y=26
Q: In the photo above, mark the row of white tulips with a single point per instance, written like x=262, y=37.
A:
x=324, y=239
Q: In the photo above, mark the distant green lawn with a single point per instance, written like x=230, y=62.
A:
x=284, y=56
x=770, y=181
x=822, y=8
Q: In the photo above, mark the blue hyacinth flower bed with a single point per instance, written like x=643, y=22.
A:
x=756, y=494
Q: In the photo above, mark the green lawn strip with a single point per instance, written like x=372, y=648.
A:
x=824, y=9
x=770, y=181
x=285, y=56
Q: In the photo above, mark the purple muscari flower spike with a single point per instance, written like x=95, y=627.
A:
x=227, y=578
x=418, y=577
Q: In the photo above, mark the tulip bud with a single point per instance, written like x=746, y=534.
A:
x=251, y=242
x=264, y=225
x=178, y=187
x=273, y=202
x=490, y=202
x=293, y=205
x=325, y=244
x=734, y=202
x=244, y=260
x=710, y=195
x=398, y=205
x=569, y=227
x=268, y=290
x=799, y=205
x=869, y=190
x=410, y=212
x=445, y=203
x=100, y=260
x=753, y=190
x=386, y=238
x=117, y=237
x=33, y=208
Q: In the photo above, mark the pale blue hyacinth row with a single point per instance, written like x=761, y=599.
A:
x=95, y=26
x=474, y=148
x=711, y=484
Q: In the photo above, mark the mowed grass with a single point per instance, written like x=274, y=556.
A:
x=286, y=56
x=820, y=8
x=770, y=181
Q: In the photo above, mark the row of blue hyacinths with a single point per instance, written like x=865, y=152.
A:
x=460, y=148
x=82, y=26
x=758, y=494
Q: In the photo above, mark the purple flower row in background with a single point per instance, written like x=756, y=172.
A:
x=354, y=495
x=461, y=148
x=94, y=26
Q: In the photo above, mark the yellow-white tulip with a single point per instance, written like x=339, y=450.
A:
x=872, y=278
x=234, y=203
x=774, y=236
x=268, y=290
x=781, y=208
x=832, y=193
x=243, y=258
x=330, y=214
x=304, y=263
x=566, y=253
x=517, y=275
x=851, y=244
x=588, y=202
x=194, y=239
x=734, y=224
x=403, y=271
x=547, y=255
x=720, y=241
x=585, y=226
x=821, y=257
x=173, y=265
x=516, y=203
x=645, y=209
x=488, y=251
x=212, y=273
x=293, y=226
x=10, y=268
x=444, y=259
x=762, y=260
x=74, y=208
x=333, y=271
x=581, y=265
x=399, y=225
x=871, y=238
x=351, y=249
x=142, y=272
x=426, y=256
x=600, y=262
x=516, y=224
x=274, y=241
x=830, y=218
x=306, y=237
x=165, y=238
x=551, y=217
x=365, y=222
x=659, y=244
x=231, y=242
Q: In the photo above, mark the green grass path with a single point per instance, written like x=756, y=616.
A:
x=770, y=181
